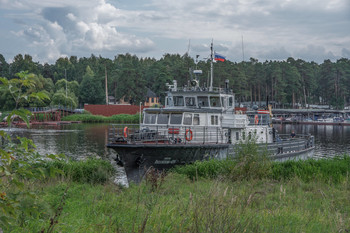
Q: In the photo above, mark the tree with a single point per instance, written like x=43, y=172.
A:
x=91, y=91
x=23, y=88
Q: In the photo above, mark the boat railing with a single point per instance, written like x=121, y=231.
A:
x=198, y=89
x=132, y=134
x=286, y=144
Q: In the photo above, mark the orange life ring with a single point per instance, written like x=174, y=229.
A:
x=125, y=132
x=189, y=135
x=256, y=119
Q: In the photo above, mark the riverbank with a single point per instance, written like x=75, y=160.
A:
x=89, y=118
x=303, y=196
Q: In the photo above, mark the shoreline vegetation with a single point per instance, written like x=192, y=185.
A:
x=249, y=194
x=89, y=118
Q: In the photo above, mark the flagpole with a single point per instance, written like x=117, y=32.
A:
x=211, y=67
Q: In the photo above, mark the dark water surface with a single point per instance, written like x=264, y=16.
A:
x=89, y=140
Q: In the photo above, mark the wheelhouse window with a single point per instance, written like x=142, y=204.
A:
x=230, y=101
x=215, y=101
x=190, y=101
x=224, y=101
x=150, y=118
x=196, y=120
x=214, y=120
x=187, y=119
x=203, y=101
x=178, y=101
x=175, y=119
x=163, y=119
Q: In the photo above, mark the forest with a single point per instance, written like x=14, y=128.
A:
x=74, y=81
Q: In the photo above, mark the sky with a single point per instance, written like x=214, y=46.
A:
x=312, y=30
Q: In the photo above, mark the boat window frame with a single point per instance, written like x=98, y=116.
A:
x=147, y=117
x=203, y=99
x=176, y=99
x=214, y=120
x=195, y=117
x=187, y=116
x=160, y=117
x=213, y=103
x=171, y=118
x=230, y=101
x=190, y=99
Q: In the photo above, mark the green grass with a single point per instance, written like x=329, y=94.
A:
x=302, y=196
x=88, y=118
x=94, y=171
x=203, y=205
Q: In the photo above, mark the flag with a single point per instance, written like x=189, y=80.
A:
x=219, y=57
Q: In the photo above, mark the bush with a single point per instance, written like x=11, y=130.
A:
x=89, y=118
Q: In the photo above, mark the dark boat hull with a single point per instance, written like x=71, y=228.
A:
x=167, y=155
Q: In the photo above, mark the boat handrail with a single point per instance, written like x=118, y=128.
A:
x=132, y=133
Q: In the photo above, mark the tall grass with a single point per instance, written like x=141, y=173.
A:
x=94, y=171
x=247, y=164
x=88, y=118
x=334, y=170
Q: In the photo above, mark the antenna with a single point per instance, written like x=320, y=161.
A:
x=189, y=47
x=211, y=66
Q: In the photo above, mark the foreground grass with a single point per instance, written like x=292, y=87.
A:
x=177, y=203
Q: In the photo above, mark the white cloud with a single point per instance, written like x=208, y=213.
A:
x=270, y=28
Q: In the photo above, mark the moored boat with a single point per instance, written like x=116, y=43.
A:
x=198, y=123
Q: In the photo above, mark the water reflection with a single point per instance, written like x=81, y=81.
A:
x=330, y=140
x=89, y=140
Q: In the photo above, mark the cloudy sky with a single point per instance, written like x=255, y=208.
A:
x=313, y=30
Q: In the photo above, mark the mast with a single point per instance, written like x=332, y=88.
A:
x=211, y=67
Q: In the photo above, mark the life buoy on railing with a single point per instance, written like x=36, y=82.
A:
x=256, y=119
x=189, y=135
x=125, y=132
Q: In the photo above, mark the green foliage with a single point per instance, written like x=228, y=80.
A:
x=94, y=171
x=18, y=163
x=183, y=205
x=248, y=164
x=334, y=170
x=60, y=98
x=287, y=82
x=23, y=89
x=88, y=118
x=91, y=91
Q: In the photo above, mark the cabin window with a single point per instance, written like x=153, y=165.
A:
x=178, y=101
x=237, y=136
x=215, y=101
x=230, y=101
x=214, y=120
x=203, y=101
x=190, y=101
x=163, y=119
x=152, y=100
x=196, y=119
x=150, y=118
x=224, y=101
x=243, y=135
x=175, y=119
x=187, y=119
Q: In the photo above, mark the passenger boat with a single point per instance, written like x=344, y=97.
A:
x=199, y=123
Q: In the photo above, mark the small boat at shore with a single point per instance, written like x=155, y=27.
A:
x=200, y=123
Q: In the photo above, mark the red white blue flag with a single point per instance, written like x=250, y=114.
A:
x=219, y=57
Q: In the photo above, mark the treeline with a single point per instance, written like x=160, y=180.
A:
x=75, y=81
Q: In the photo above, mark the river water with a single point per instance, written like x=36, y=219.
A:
x=89, y=140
